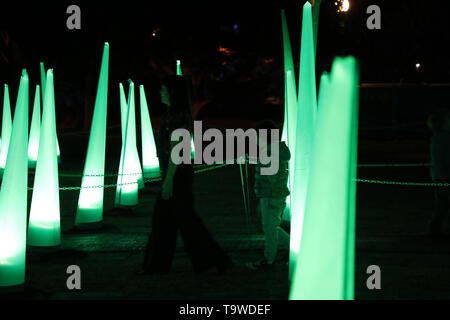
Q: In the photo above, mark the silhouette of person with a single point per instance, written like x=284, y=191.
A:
x=439, y=123
x=174, y=208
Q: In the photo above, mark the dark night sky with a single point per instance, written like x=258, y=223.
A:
x=411, y=32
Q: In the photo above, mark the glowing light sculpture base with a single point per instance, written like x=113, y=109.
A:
x=44, y=225
x=306, y=117
x=33, y=141
x=150, y=159
x=13, y=196
x=325, y=265
x=6, y=129
x=90, y=201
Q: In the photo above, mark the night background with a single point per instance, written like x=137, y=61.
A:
x=232, y=51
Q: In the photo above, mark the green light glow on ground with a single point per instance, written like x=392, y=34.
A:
x=306, y=116
x=90, y=202
x=13, y=196
x=325, y=265
x=6, y=128
x=33, y=142
x=44, y=225
x=149, y=156
x=127, y=180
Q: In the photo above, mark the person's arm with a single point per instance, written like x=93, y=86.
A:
x=167, y=187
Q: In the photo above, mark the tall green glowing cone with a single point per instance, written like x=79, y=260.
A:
x=43, y=82
x=127, y=179
x=290, y=108
x=325, y=266
x=306, y=116
x=33, y=141
x=180, y=73
x=90, y=201
x=288, y=66
x=150, y=159
x=44, y=224
x=6, y=129
x=13, y=196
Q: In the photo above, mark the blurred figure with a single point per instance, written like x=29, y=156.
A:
x=439, y=123
x=174, y=208
x=271, y=191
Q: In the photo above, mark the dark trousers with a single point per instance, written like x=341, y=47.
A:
x=442, y=206
x=177, y=214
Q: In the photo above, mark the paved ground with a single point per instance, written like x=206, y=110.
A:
x=391, y=221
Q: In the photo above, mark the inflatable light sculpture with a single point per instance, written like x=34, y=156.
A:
x=44, y=224
x=33, y=142
x=90, y=201
x=290, y=108
x=43, y=82
x=150, y=159
x=6, y=129
x=127, y=179
x=123, y=115
x=180, y=73
x=325, y=266
x=13, y=196
x=306, y=115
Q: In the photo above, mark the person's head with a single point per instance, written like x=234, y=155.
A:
x=439, y=120
x=269, y=125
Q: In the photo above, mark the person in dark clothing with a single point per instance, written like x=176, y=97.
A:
x=174, y=208
x=439, y=123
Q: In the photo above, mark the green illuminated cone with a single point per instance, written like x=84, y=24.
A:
x=127, y=180
x=33, y=142
x=6, y=129
x=90, y=201
x=124, y=119
x=306, y=115
x=42, y=68
x=150, y=159
x=44, y=225
x=43, y=82
x=180, y=73
x=288, y=66
x=325, y=266
x=13, y=196
x=290, y=108
x=132, y=131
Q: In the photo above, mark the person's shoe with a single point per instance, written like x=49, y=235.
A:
x=260, y=265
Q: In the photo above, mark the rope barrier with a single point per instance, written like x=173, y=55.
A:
x=415, y=184
x=208, y=167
